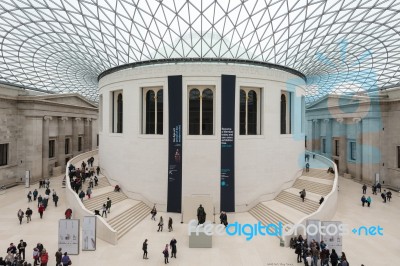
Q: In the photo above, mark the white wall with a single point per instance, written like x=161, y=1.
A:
x=140, y=162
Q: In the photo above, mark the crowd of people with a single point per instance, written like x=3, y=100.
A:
x=385, y=195
x=316, y=253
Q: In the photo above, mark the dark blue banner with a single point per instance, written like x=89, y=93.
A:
x=228, y=83
x=174, y=203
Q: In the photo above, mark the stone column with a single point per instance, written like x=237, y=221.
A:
x=342, y=146
x=87, y=138
x=357, y=122
x=61, y=142
x=328, y=137
x=45, y=147
x=75, y=135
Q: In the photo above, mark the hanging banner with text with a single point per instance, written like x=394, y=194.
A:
x=174, y=203
x=228, y=83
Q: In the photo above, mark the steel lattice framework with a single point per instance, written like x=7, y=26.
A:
x=342, y=46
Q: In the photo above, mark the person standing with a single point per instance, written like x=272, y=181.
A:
x=35, y=255
x=383, y=195
x=108, y=205
x=389, y=195
x=307, y=167
x=68, y=213
x=334, y=258
x=172, y=244
x=20, y=215
x=66, y=260
x=153, y=213
x=170, y=224
x=89, y=192
x=321, y=200
x=96, y=181
x=40, y=199
x=378, y=186
x=55, y=199
x=35, y=194
x=41, y=210
x=303, y=194
x=144, y=248
x=160, y=224
x=58, y=257
x=363, y=200
x=166, y=254
x=21, y=248
x=98, y=170
x=28, y=214
x=104, y=210
x=81, y=195
x=364, y=188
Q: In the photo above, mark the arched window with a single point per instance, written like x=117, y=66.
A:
x=119, y=113
x=150, y=112
x=194, y=112
x=201, y=111
x=207, y=112
x=283, y=114
x=153, y=104
x=160, y=113
x=249, y=108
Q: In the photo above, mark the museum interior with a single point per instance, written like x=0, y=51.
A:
x=238, y=132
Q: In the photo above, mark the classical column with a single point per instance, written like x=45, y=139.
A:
x=316, y=136
x=357, y=122
x=328, y=137
x=45, y=147
x=61, y=142
x=342, y=146
x=75, y=135
x=87, y=138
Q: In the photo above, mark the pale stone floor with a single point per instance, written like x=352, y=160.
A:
x=369, y=250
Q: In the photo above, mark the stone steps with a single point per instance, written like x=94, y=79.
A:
x=103, y=182
x=125, y=221
x=314, y=187
x=295, y=202
x=267, y=216
x=96, y=203
x=319, y=173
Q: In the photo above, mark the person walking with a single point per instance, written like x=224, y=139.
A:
x=369, y=200
x=104, y=210
x=21, y=248
x=89, y=192
x=363, y=200
x=144, y=248
x=29, y=196
x=96, y=181
x=303, y=194
x=108, y=205
x=40, y=199
x=389, y=195
x=20, y=215
x=307, y=167
x=35, y=255
x=58, y=257
x=98, y=170
x=383, y=195
x=41, y=210
x=81, y=195
x=170, y=225
x=55, y=199
x=28, y=214
x=166, y=254
x=334, y=258
x=160, y=224
x=35, y=194
x=68, y=213
x=172, y=244
x=44, y=257
x=66, y=260
x=153, y=213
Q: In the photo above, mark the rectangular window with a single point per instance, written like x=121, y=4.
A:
x=67, y=142
x=117, y=111
x=3, y=154
x=250, y=111
x=52, y=145
x=152, y=111
x=353, y=150
x=97, y=140
x=323, y=145
x=79, y=143
x=336, y=147
x=398, y=156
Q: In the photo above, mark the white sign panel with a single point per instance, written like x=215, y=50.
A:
x=332, y=237
x=68, y=236
x=89, y=233
x=313, y=231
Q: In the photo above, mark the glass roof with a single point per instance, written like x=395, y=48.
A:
x=342, y=46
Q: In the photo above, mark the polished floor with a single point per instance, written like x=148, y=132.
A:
x=369, y=250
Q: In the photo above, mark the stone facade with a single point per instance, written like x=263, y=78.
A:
x=29, y=122
x=359, y=133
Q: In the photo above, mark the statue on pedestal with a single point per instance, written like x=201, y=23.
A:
x=201, y=215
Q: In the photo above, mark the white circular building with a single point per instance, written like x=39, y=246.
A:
x=227, y=129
